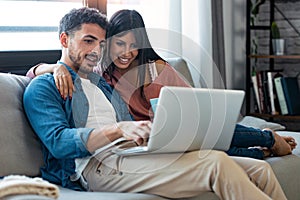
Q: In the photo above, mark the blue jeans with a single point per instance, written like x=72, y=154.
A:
x=245, y=137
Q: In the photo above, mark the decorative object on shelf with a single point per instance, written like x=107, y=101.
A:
x=254, y=5
x=255, y=9
x=277, y=41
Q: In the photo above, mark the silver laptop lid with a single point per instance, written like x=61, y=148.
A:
x=194, y=118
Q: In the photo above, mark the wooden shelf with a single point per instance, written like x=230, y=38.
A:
x=276, y=56
x=291, y=122
x=286, y=117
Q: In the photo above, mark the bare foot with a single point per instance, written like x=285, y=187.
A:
x=267, y=152
x=291, y=141
x=281, y=147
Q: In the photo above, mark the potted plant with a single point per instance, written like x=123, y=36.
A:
x=277, y=41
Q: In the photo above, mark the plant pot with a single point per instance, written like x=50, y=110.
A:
x=278, y=46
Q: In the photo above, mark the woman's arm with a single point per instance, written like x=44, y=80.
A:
x=62, y=77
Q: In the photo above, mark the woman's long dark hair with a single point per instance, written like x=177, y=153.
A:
x=122, y=22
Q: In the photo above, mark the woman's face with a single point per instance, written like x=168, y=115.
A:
x=123, y=50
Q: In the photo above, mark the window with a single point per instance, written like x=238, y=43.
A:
x=32, y=25
x=155, y=13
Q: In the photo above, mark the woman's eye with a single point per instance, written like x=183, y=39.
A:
x=120, y=43
x=134, y=46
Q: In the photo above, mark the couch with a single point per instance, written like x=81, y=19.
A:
x=21, y=149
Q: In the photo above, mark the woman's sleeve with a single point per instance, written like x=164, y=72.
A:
x=31, y=72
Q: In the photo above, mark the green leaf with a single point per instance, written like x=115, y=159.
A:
x=275, y=31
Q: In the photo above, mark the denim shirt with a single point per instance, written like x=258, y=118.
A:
x=60, y=123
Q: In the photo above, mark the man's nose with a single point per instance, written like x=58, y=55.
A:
x=97, y=50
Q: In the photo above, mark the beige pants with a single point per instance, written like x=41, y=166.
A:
x=184, y=175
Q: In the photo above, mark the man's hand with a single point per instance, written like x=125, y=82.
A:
x=137, y=131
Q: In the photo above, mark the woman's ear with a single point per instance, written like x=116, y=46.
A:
x=63, y=37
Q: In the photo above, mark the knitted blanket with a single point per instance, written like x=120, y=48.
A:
x=18, y=185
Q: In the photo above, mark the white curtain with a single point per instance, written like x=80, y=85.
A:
x=189, y=34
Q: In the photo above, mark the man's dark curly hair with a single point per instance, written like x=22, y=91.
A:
x=73, y=20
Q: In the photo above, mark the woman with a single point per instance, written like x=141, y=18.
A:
x=137, y=72
x=132, y=67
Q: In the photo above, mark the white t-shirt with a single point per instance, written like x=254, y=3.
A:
x=101, y=113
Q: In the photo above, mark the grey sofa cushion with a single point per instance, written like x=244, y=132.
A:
x=20, y=148
x=182, y=68
x=286, y=168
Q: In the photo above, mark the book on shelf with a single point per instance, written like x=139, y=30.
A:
x=288, y=95
x=255, y=88
x=292, y=94
x=272, y=92
x=260, y=89
x=280, y=96
x=266, y=92
x=271, y=96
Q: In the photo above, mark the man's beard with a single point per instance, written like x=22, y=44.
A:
x=85, y=67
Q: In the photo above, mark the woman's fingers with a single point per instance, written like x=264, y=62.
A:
x=63, y=81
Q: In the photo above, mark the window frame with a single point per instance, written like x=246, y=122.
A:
x=20, y=61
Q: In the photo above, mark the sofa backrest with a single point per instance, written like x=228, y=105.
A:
x=20, y=148
x=182, y=68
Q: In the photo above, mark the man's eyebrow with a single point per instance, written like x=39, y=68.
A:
x=91, y=36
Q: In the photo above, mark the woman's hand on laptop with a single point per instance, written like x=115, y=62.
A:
x=137, y=131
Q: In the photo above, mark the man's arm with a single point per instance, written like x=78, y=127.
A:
x=50, y=119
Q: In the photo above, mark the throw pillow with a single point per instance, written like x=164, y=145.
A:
x=20, y=147
x=260, y=123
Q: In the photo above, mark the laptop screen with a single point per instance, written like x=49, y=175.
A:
x=153, y=103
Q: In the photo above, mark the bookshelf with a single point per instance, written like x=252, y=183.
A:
x=276, y=56
x=291, y=122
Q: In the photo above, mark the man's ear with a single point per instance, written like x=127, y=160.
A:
x=63, y=37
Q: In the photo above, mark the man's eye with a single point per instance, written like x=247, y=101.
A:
x=88, y=41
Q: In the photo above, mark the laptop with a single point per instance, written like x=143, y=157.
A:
x=188, y=119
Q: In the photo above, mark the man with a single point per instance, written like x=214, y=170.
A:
x=78, y=134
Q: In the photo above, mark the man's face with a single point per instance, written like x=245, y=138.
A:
x=84, y=47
